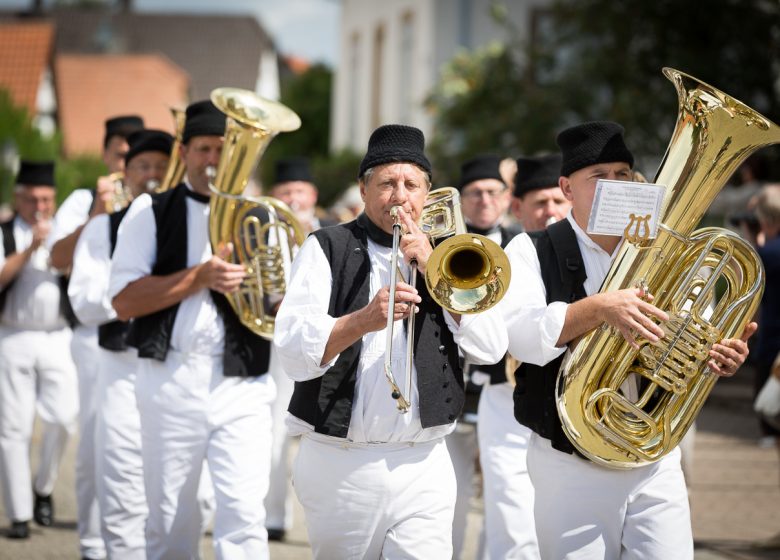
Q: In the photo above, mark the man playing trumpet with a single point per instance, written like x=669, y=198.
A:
x=374, y=482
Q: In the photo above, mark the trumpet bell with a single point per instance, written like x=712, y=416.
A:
x=468, y=273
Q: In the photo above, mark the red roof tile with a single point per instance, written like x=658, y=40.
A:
x=92, y=88
x=25, y=50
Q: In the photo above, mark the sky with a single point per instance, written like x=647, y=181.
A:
x=305, y=28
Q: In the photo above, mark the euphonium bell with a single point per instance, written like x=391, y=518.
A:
x=175, y=172
x=264, y=231
x=686, y=271
x=467, y=272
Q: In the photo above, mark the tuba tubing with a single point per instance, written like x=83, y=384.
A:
x=714, y=133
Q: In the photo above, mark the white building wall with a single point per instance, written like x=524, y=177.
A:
x=441, y=28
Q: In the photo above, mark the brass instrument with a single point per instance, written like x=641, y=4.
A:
x=120, y=195
x=263, y=230
x=467, y=272
x=713, y=135
x=175, y=172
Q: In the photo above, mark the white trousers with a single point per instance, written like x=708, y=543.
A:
x=85, y=351
x=191, y=412
x=510, y=532
x=369, y=501
x=36, y=372
x=278, y=502
x=118, y=461
x=583, y=510
x=464, y=452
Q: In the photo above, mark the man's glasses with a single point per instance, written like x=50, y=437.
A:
x=475, y=195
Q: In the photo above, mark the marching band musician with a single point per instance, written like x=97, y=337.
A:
x=119, y=467
x=503, y=441
x=538, y=201
x=293, y=185
x=372, y=481
x=484, y=198
x=76, y=210
x=584, y=510
x=201, y=387
x=36, y=369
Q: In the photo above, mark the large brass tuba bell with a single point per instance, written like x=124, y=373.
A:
x=264, y=231
x=467, y=272
x=686, y=272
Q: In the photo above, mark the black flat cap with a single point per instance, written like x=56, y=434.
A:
x=395, y=143
x=483, y=166
x=534, y=173
x=292, y=169
x=148, y=140
x=591, y=143
x=123, y=125
x=36, y=174
x=203, y=119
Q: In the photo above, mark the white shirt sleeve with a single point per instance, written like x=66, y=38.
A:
x=532, y=326
x=73, y=212
x=88, y=287
x=303, y=326
x=136, y=246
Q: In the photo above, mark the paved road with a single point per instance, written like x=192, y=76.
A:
x=735, y=493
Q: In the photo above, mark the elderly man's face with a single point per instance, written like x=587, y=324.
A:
x=484, y=202
x=301, y=196
x=393, y=184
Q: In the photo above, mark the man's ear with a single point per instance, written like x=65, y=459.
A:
x=565, y=185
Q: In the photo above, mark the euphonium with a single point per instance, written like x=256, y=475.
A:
x=175, y=172
x=685, y=270
x=263, y=231
x=467, y=272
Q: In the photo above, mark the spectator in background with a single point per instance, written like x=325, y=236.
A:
x=536, y=203
x=349, y=205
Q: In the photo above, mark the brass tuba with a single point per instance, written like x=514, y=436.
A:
x=175, y=172
x=264, y=231
x=467, y=272
x=686, y=271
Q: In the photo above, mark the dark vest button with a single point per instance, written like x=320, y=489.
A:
x=451, y=417
x=444, y=366
x=356, y=250
x=448, y=400
x=445, y=385
x=433, y=316
x=442, y=349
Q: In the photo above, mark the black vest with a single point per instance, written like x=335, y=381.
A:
x=9, y=248
x=563, y=274
x=326, y=402
x=245, y=354
x=112, y=335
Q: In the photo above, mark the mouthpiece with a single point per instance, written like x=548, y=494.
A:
x=152, y=185
x=550, y=221
x=211, y=172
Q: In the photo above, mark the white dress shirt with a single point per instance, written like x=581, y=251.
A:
x=33, y=303
x=88, y=287
x=198, y=327
x=303, y=328
x=533, y=326
x=72, y=213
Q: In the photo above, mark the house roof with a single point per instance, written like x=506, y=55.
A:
x=215, y=50
x=92, y=88
x=26, y=50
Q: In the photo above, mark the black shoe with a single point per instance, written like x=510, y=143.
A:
x=43, y=510
x=19, y=530
x=276, y=534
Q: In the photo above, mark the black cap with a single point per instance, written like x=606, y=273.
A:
x=203, y=119
x=483, y=166
x=591, y=143
x=534, y=173
x=148, y=140
x=292, y=169
x=123, y=126
x=395, y=143
x=36, y=174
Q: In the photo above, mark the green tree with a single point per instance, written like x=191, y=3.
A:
x=600, y=59
x=309, y=94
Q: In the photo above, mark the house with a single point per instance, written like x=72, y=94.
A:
x=391, y=54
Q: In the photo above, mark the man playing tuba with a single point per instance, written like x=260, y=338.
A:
x=583, y=510
x=201, y=384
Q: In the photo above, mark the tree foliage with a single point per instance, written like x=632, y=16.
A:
x=600, y=59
